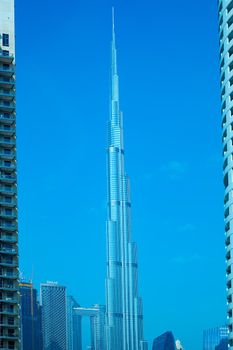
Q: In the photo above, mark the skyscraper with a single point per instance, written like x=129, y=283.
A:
x=165, y=341
x=31, y=330
x=54, y=326
x=9, y=288
x=124, y=307
x=225, y=12
x=214, y=337
x=74, y=326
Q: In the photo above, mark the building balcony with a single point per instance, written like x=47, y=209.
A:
x=7, y=106
x=7, y=192
x=8, y=288
x=8, y=167
x=7, y=142
x=6, y=95
x=7, y=118
x=8, y=238
x=7, y=131
x=6, y=275
x=7, y=71
x=5, y=263
x=8, y=251
x=7, y=83
x=8, y=312
x=8, y=178
x=9, y=204
x=9, y=300
x=8, y=337
x=7, y=156
x=6, y=58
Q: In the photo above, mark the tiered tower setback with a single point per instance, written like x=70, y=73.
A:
x=124, y=328
x=9, y=288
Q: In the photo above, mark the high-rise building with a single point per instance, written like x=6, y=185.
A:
x=31, y=331
x=74, y=325
x=96, y=313
x=54, y=322
x=225, y=12
x=165, y=341
x=124, y=307
x=214, y=337
x=9, y=284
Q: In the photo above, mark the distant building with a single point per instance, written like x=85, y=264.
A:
x=74, y=326
x=178, y=345
x=166, y=341
x=31, y=332
x=215, y=337
x=54, y=327
x=96, y=314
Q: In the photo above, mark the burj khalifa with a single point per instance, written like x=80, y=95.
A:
x=124, y=318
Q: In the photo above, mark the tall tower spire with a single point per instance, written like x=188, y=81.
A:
x=124, y=307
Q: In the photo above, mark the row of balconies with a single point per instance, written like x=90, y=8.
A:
x=7, y=118
x=7, y=82
x=8, y=263
x=7, y=141
x=7, y=177
x=6, y=57
x=7, y=95
x=8, y=285
x=7, y=106
x=7, y=70
x=8, y=202
x=12, y=250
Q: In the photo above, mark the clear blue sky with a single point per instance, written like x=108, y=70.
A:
x=169, y=86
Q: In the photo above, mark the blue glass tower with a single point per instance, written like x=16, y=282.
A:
x=31, y=328
x=165, y=341
x=124, y=328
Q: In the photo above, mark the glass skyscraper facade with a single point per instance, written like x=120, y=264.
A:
x=215, y=337
x=31, y=331
x=225, y=12
x=54, y=316
x=124, y=327
x=9, y=284
x=165, y=341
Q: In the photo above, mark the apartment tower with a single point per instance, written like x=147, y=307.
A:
x=225, y=12
x=124, y=329
x=9, y=284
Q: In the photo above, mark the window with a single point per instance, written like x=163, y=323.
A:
x=230, y=51
x=6, y=150
x=8, y=211
x=230, y=6
x=5, y=53
x=5, y=39
x=230, y=21
x=8, y=199
x=10, y=320
x=7, y=163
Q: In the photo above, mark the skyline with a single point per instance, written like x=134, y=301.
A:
x=46, y=179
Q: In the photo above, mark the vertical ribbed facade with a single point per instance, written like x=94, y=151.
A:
x=225, y=12
x=54, y=316
x=214, y=337
x=124, y=328
x=9, y=284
